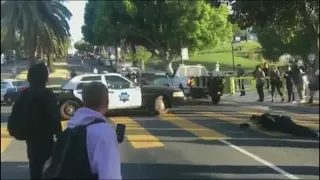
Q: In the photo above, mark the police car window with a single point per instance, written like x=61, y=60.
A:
x=22, y=83
x=91, y=78
x=116, y=82
x=15, y=83
x=80, y=86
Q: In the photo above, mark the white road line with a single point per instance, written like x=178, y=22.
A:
x=262, y=161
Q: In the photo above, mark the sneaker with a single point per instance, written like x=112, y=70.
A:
x=293, y=102
x=303, y=101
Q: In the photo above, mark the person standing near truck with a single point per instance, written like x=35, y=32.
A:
x=266, y=71
x=289, y=85
x=240, y=73
x=275, y=81
x=260, y=80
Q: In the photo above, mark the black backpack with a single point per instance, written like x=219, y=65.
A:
x=70, y=157
x=24, y=111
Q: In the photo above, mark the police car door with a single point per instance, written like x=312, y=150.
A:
x=123, y=94
x=85, y=80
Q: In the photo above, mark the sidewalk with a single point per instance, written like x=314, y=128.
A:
x=56, y=78
x=252, y=97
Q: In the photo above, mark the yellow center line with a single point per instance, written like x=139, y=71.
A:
x=4, y=132
x=236, y=120
x=196, y=129
x=139, y=137
x=5, y=141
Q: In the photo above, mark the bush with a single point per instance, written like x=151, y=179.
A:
x=252, y=55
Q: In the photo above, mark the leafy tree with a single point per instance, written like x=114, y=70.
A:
x=237, y=31
x=162, y=27
x=83, y=47
x=46, y=30
x=141, y=55
x=291, y=22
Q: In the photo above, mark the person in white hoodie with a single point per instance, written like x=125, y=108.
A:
x=102, y=144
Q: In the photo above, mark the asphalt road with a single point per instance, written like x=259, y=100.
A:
x=197, y=141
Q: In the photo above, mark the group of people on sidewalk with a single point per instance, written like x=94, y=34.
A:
x=90, y=141
x=297, y=78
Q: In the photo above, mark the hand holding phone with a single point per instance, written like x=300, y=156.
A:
x=120, y=131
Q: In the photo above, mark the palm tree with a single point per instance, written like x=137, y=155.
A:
x=43, y=25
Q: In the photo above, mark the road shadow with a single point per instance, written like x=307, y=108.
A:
x=19, y=170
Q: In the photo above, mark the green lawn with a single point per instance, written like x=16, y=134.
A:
x=222, y=54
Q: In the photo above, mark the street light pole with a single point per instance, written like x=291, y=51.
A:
x=232, y=49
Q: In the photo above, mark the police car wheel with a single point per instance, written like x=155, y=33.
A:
x=68, y=108
x=160, y=106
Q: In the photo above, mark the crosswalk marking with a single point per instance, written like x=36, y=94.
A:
x=198, y=130
x=236, y=120
x=138, y=137
x=5, y=142
x=5, y=139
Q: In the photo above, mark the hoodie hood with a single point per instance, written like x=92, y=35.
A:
x=84, y=116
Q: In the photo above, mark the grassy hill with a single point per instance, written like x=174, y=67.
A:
x=248, y=57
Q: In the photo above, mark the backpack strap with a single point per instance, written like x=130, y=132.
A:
x=96, y=121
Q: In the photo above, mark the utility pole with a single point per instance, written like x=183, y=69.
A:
x=180, y=37
x=232, y=49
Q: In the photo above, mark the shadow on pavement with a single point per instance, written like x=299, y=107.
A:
x=19, y=170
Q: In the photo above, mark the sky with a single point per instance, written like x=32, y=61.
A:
x=77, y=10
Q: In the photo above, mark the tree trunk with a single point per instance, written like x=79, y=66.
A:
x=317, y=54
x=134, y=54
x=50, y=62
x=142, y=66
x=168, y=64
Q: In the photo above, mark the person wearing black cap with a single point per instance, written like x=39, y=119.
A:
x=36, y=118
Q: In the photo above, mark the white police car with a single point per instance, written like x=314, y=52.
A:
x=123, y=94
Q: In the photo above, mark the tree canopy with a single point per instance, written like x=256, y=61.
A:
x=83, y=47
x=162, y=27
x=45, y=30
x=291, y=26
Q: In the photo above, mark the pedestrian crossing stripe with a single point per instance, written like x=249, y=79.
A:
x=138, y=137
x=196, y=129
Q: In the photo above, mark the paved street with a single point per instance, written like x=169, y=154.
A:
x=198, y=141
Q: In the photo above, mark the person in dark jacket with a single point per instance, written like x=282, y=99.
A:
x=240, y=73
x=275, y=81
x=289, y=85
x=44, y=118
x=266, y=71
x=314, y=85
x=259, y=76
x=297, y=74
x=73, y=74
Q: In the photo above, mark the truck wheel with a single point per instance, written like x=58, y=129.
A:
x=159, y=106
x=68, y=108
x=215, y=99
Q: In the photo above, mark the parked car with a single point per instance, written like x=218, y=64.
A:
x=9, y=89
